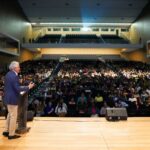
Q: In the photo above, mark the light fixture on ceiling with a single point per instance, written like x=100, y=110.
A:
x=122, y=18
x=98, y=4
x=130, y=4
x=67, y=4
x=124, y=49
x=34, y=4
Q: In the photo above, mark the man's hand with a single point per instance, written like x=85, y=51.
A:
x=31, y=85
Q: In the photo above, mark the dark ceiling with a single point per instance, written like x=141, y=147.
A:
x=82, y=11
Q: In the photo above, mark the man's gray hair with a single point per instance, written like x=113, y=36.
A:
x=13, y=64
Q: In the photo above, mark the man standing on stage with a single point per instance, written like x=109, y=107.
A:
x=12, y=91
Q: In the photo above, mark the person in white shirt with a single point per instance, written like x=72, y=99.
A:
x=61, y=108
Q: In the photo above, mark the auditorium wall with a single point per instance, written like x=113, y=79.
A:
x=140, y=33
x=25, y=55
x=138, y=55
x=13, y=22
x=5, y=59
x=81, y=51
x=142, y=25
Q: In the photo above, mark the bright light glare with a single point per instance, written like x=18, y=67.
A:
x=85, y=29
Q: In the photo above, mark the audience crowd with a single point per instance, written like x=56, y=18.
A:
x=86, y=88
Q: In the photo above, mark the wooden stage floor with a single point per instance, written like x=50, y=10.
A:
x=81, y=134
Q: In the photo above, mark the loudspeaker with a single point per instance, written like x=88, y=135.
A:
x=114, y=114
x=30, y=115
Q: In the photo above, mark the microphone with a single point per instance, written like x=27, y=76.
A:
x=20, y=76
x=20, y=79
x=101, y=59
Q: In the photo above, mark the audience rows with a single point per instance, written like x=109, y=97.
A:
x=86, y=88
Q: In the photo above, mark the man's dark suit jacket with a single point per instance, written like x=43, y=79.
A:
x=12, y=88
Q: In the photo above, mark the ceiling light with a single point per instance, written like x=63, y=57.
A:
x=67, y=4
x=33, y=23
x=98, y=4
x=85, y=29
x=130, y=4
x=33, y=4
x=124, y=49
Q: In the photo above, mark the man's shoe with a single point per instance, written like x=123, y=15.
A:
x=13, y=137
x=5, y=134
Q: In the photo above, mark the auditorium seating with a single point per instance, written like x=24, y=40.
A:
x=91, y=77
x=114, y=39
x=82, y=38
x=48, y=38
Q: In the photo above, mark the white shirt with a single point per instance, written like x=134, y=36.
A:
x=15, y=73
x=59, y=110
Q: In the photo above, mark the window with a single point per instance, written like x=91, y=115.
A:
x=49, y=29
x=75, y=29
x=95, y=29
x=124, y=30
x=104, y=29
x=65, y=29
x=56, y=29
x=112, y=30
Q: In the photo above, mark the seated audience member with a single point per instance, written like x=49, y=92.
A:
x=103, y=109
x=49, y=109
x=129, y=88
x=72, y=108
x=82, y=107
x=82, y=98
x=61, y=108
x=132, y=98
x=93, y=110
x=148, y=102
x=99, y=100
